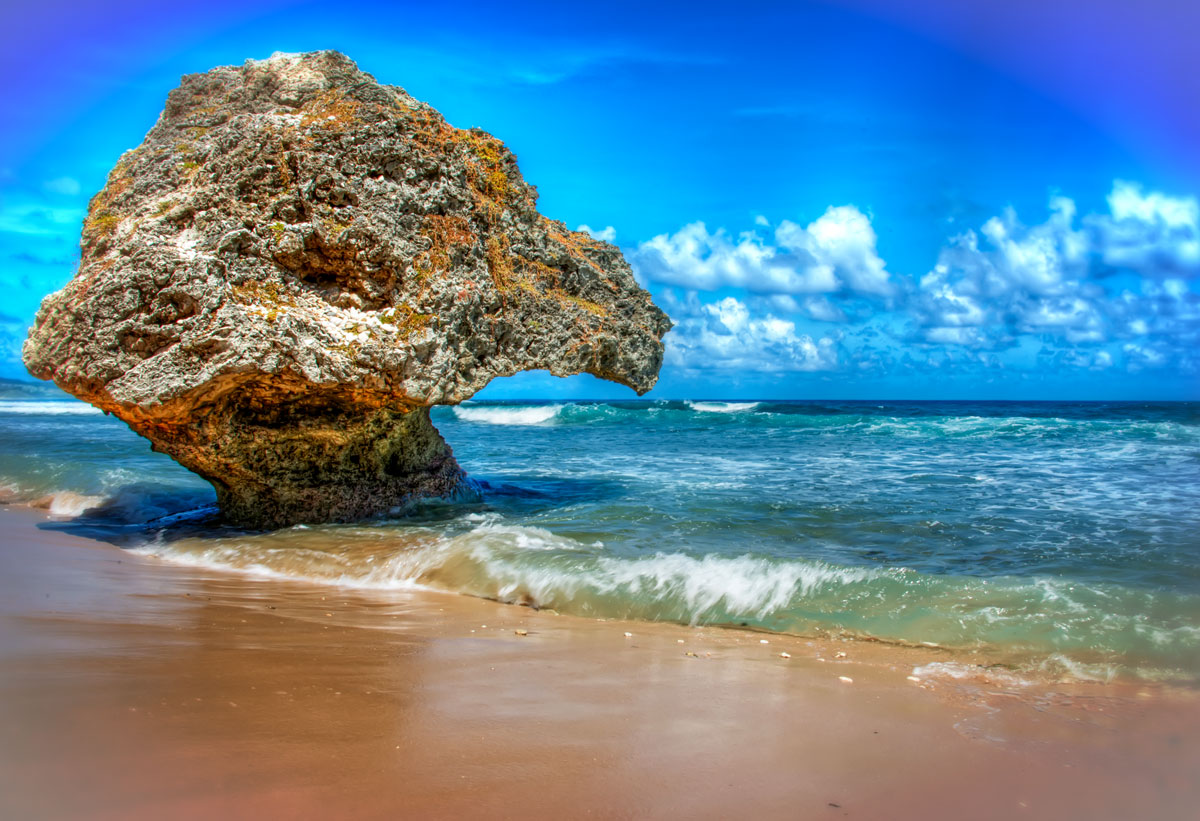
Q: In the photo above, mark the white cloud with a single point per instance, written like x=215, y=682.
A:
x=726, y=335
x=1053, y=358
x=1140, y=357
x=833, y=254
x=62, y=185
x=1152, y=234
x=1037, y=259
x=608, y=234
x=1099, y=291
x=821, y=309
x=967, y=337
x=1049, y=279
x=843, y=241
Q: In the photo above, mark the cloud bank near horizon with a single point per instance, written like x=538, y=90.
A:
x=1099, y=291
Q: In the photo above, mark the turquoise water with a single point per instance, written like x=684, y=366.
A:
x=1060, y=537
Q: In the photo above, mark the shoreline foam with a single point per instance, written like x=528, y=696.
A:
x=134, y=689
x=731, y=592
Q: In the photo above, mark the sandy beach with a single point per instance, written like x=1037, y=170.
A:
x=131, y=688
x=555, y=411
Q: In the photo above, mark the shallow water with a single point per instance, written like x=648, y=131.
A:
x=1061, y=537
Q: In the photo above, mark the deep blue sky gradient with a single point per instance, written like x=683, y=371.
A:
x=928, y=118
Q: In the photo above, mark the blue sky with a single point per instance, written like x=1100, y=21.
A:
x=847, y=199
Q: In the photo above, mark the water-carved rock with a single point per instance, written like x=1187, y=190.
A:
x=297, y=263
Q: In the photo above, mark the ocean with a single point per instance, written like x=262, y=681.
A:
x=1052, y=539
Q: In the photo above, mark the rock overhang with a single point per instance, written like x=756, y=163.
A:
x=293, y=234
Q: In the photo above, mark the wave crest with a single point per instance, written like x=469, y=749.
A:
x=507, y=415
x=63, y=407
x=483, y=555
x=722, y=407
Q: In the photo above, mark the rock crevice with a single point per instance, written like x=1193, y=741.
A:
x=297, y=262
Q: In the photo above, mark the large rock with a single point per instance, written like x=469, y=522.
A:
x=297, y=263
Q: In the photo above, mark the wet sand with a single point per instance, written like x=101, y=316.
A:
x=134, y=689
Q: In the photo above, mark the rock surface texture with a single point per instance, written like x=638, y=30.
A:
x=297, y=263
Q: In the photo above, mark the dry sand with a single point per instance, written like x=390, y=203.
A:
x=133, y=689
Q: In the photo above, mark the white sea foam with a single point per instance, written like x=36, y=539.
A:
x=492, y=533
x=671, y=586
x=722, y=407
x=56, y=407
x=70, y=503
x=1059, y=664
x=482, y=554
x=742, y=586
x=523, y=564
x=521, y=415
x=268, y=564
x=960, y=671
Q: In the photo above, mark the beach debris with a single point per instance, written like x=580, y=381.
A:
x=628, y=635
x=521, y=632
x=785, y=655
x=845, y=679
x=763, y=641
x=690, y=653
x=913, y=678
x=310, y=260
x=679, y=641
x=839, y=655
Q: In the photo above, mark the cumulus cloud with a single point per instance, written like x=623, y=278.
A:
x=1098, y=291
x=1152, y=234
x=990, y=288
x=727, y=335
x=820, y=308
x=1141, y=356
x=1051, y=358
x=842, y=241
x=836, y=253
x=608, y=234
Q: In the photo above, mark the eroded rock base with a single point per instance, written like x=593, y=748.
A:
x=312, y=459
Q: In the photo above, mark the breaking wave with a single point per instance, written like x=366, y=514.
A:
x=1052, y=626
x=27, y=407
x=507, y=415
x=722, y=407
